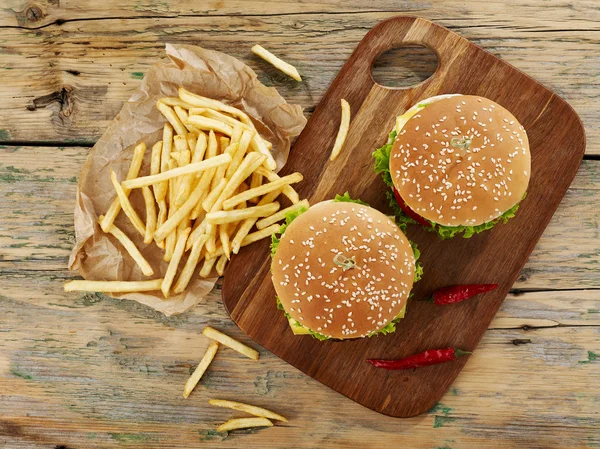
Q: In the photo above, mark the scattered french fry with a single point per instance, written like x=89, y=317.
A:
x=209, y=355
x=244, y=423
x=278, y=216
x=174, y=263
x=150, y=214
x=343, y=131
x=259, y=235
x=176, y=172
x=247, y=408
x=247, y=224
x=230, y=342
x=230, y=216
x=262, y=190
x=134, y=169
x=286, y=68
x=126, y=205
x=113, y=286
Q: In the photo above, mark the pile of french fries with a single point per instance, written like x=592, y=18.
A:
x=212, y=189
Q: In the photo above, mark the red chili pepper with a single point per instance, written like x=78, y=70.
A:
x=408, y=211
x=431, y=357
x=458, y=293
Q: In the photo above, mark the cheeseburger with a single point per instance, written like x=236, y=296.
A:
x=342, y=270
x=455, y=164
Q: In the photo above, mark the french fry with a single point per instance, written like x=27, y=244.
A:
x=255, y=181
x=229, y=216
x=162, y=217
x=190, y=265
x=209, y=355
x=211, y=231
x=113, y=286
x=200, y=148
x=220, y=173
x=130, y=247
x=287, y=190
x=268, y=221
x=204, y=184
x=250, y=163
x=244, y=423
x=207, y=266
x=214, y=194
x=150, y=214
x=155, y=158
x=197, y=231
x=286, y=68
x=192, y=138
x=259, y=235
x=180, y=214
x=238, y=156
x=170, y=241
x=185, y=182
x=175, y=101
x=204, y=102
x=262, y=190
x=247, y=224
x=258, y=144
x=226, y=340
x=172, y=118
x=182, y=115
x=343, y=131
x=134, y=169
x=220, y=267
x=126, y=205
x=179, y=171
x=214, y=114
x=247, y=408
x=206, y=124
x=174, y=262
x=224, y=239
x=160, y=189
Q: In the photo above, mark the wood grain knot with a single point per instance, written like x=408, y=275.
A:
x=62, y=97
x=34, y=13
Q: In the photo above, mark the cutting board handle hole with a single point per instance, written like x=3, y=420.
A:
x=405, y=66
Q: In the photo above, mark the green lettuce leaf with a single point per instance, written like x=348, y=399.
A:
x=382, y=167
x=288, y=219
x=345, y=198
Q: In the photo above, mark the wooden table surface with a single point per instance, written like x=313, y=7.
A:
x=87, y=371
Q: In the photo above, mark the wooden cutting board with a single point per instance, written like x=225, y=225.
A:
x=557, y=143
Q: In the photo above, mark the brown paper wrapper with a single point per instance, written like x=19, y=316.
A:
x=98, y=256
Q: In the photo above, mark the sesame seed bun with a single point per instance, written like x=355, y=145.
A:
x=319, y=294
x=454, y=186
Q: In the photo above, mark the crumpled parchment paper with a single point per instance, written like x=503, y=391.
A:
x=98, y=256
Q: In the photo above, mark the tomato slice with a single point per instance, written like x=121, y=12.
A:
x=408, y=211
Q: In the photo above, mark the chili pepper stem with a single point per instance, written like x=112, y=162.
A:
x=459, y=352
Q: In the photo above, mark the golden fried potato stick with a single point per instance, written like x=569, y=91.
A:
x=268, y=221
x=247, y=224
x=220, y=267
x=244, y=423
x=174, y=101
x=207, y=266
x=179, y=171
x=206, y=124
x=342, y=132
x=172, y=118
x=150, y=214
x=113, y=286
x=280, y=64
x=200, y=148
x=229, y=216
x=262, y=190
x=160, y=189
x=287, y=190
x=134, y=169
x=131, y=249
x=182, y=115
x=130, y=212
x=255, y=181
x=238, y=156
x=197, y=231
x=174, y=262
x=190, y=265
x=247, y=408
x=209, y=355
x=204, y=102
x=226, y=340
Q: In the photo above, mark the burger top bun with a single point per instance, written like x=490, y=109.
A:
x=462, y=160
x=343, y=270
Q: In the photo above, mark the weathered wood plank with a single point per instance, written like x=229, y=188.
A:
x=80, y=72
x=103, y=373
x=39, y=184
